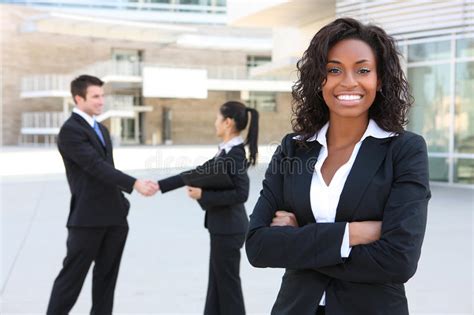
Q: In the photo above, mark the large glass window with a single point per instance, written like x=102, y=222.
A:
x=262, y=101
x=444, y=106
x=464, y=171
x=439, y=169
x=464, y=122
x=429, y=51
x=430, y=115
x=465, y=47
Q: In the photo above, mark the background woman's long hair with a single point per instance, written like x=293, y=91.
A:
x=240, y=114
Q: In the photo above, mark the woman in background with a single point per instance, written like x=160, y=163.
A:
x=344, y=200
x=226, y=218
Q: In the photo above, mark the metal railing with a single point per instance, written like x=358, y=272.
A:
x=42, y=120
x=126, y=68
x=113, y=67
x=104, y=69
x=48, y=121
x=237, y=72
x=61, y=82
x=119, y=102
x=43, y=123
x=46, y=82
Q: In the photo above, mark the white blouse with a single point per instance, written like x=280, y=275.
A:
x=325, y=198
x=227, y=146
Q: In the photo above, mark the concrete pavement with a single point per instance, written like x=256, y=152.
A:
x=164, y=268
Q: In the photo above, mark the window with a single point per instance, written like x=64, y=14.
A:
x=465, y=47
x=464, y=108
x=429, y=51
x=464, y=171
x=441, y=81
x=127, y=61
x=255, y=61
x=262, y=101
x=430, y=115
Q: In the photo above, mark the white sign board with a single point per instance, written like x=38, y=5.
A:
x=174, y=83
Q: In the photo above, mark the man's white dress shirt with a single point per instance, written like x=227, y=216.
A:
x=90, y=120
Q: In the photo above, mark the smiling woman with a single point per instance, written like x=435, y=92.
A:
x=350, y=39
x=351, y=82
x=348, y=228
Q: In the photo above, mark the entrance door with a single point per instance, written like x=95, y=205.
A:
x=166, y=132
x=129, y=131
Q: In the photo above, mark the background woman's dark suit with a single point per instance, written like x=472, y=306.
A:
x=97, y=222
x=388, y=182
x=227, y=222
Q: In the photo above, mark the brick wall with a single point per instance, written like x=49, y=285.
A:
x=193, y=120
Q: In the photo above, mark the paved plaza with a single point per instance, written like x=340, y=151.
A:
x=165, y=265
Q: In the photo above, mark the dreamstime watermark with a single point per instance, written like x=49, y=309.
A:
x=270, y=160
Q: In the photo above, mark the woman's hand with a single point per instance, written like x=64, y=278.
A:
x=194, y=192
x=284, y=218
x=364, y=232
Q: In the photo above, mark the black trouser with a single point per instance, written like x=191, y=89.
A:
x=103, y=246
x=321, y=310
x=224, y=291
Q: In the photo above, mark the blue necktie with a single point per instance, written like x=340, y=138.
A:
x=99, y=133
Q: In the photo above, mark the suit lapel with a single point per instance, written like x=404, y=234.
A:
x=96, y=141
x=302, y=180
x=107, y=140
x=371, y=154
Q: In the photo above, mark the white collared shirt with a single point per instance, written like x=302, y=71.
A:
x=90, y=120
x=227, y=146
x=325, y=198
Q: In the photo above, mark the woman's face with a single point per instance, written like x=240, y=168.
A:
x=220, y=124
x=352, y=82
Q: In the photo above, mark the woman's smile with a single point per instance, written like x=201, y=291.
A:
x=351, y=82
x=349, y=99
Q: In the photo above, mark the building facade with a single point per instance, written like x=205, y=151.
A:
x=164, y=81
x=169, y=64
x=436, y=39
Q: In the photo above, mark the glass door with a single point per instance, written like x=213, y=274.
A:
x=129, y=131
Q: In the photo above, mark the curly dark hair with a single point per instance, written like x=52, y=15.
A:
x=391, y=105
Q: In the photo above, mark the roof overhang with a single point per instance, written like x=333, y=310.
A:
x=279, y=13
x=109, y=28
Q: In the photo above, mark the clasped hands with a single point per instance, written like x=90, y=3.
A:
x=146, y=187
x=360, y=233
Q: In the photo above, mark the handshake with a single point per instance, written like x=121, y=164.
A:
x=146, y=187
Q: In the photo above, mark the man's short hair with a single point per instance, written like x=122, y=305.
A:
x=80, y=84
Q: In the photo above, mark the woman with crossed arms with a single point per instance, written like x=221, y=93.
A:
x=344, y=200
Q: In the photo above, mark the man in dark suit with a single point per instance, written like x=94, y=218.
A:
x=97, y=223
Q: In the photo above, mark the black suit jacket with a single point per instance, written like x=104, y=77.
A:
x=225, y=211
x=96, y=186
x=388, y=182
